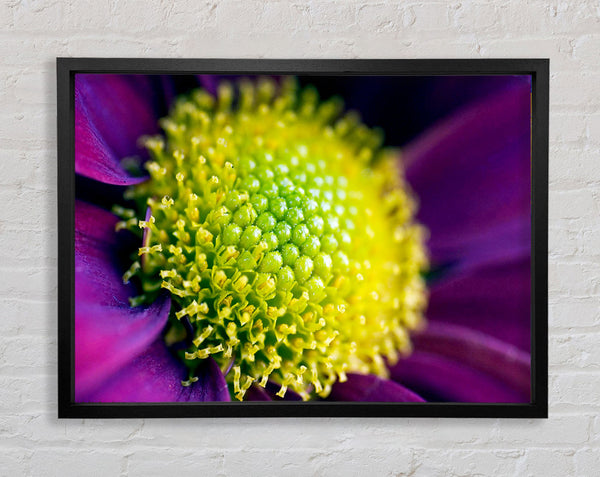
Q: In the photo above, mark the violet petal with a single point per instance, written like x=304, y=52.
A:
x=108, y=337
x=108, y=332
x=112, y=112
x=155, y=376
x=472, y=172
x=419, y=101
x=494, y=300
x=209, y=82
x=490, y=360
x=370, y=388
x=257, y=393
x=273, y=388
x=269, y=393
x=439, y=378
x=98, y=273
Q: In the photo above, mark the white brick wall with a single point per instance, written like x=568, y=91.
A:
x=34, y=442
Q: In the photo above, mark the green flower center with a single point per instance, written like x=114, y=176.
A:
x=285, y=236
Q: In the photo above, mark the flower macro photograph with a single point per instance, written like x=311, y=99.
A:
x=302, y=238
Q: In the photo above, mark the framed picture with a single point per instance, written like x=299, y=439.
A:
x=302, y=237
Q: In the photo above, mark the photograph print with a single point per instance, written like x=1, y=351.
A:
x=279, y=238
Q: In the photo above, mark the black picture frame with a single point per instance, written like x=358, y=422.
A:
x=539, y=71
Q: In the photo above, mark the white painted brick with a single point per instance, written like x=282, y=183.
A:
x=593, y=128
x=20, y=168
x=91, y=14
x=467, y=462
x=322, y=462
x=324, y=433
x=574, y=204
x=203, y=12
x=517, y=18
x=251, y=45
x=410, y=46
x=335, y=433
x=572, y=313
x=32, y=284
x=19, y=127
x=25, y=201
x=144, y=463
x=26, y=316
x=576, y=279
x=565, y=430
x=15, y=461
x=552, y=18
x=563, y=241
x=68, y=462
x=591, y=242
x=34, y=33
x=571, y=350
x=548, y=462
x=333, y=16
x=595, y=431
x=31, y=50
x=569, y=127
x=33, y=355
x=585, y=49
x=30, y=243
x=380, y=17
x=258, y=16
x=126, y=46
x=575, y=388
x=34, y=86
x=575, y=88
x=27, y=429
x=22, y=395
x=45, y=15
x=557, y=48
x=103, y=431
x=431, y=16
x=575, y=165
x=476, y=16
x=150, y=16
x=587, y=461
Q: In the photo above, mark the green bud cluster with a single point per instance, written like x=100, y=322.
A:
x=285, y=235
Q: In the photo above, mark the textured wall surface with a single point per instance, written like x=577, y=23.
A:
x=33, y=33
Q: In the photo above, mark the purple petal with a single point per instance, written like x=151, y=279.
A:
x=108, y=332
x=369, y=388
x=155, y=376
x=441, y=379
x=112, y=112
x=452, y=361
x=472, y=175
x=493, y=244
x=452, y=92
x=257, y=393
x=108, y=337
x=495, y=300
x=209, y=82
x=269, y=393
x=273, y=388
x=419, y=101
x=169, y=93
x=98, y=273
